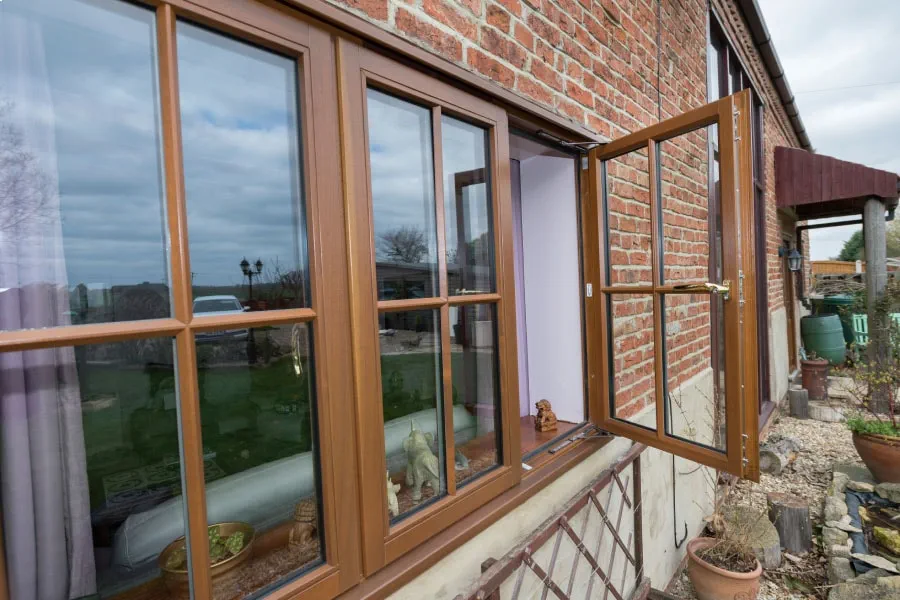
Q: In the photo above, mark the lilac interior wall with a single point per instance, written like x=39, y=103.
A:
x=549, y=256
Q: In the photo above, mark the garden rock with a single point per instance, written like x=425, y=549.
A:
x=834, y=537
x=861, y=486
x=856, y=591
x=876, y=561
x=872, y=576
x=757, y=532
x=891, y=491
x=840, y=550
x=854, y=472
x=889, y=538
x=839, y=483
x=844, y=525
x=889, y=582
x=839, y=570
x=835, y=508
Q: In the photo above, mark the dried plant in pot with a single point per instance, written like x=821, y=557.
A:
x=722, y=566
x=874, y=382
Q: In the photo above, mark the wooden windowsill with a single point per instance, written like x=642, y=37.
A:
x=407, y=567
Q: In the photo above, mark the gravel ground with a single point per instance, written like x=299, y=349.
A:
x=823, y=444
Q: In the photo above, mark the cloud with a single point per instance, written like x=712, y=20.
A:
x=826, y=44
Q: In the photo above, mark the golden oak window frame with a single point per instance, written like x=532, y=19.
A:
x=732, y=115
x=312, y=49
x=362, y=69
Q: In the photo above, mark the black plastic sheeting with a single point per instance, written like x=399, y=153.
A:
x=854, y=501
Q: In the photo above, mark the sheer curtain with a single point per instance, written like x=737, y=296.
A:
x=43, y=470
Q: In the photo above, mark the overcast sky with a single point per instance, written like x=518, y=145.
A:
x=827, y=44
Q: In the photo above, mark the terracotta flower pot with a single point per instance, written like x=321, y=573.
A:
x=881, y=454
x=713, y=583
x=814, y=373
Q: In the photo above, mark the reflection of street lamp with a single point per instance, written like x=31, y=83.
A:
x=248, y=271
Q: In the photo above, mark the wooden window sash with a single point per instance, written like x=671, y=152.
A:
x=732, y=115
x=360, y=70
x=312, y=48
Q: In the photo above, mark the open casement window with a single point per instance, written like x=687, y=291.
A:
x=673, y=309
x=432, y=300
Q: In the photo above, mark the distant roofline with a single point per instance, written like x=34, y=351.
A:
x=766, y=47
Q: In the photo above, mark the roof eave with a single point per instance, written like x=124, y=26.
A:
x=763, y=42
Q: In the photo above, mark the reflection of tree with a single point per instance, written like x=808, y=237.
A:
x=406, y=244
x=25, y=189
x=279, y=284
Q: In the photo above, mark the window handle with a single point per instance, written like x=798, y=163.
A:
x=465, y=292
x=710, y=288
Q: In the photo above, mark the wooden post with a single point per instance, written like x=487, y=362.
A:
x=799, y=400
x=790, y=515
x=874, y=230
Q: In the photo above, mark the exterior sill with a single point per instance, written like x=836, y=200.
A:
x=408, y=567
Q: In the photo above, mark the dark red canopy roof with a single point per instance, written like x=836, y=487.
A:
x=817, y=186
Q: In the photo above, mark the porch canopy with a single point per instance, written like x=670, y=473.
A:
x=818, y=186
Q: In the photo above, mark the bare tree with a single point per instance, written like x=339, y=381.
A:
x=25, y=189
x=405, y=244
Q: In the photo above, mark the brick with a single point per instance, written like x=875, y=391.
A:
x=534, y=90
x=449, y=15
x=499, y=18
x=490, y=67
x=546, y=74
x=502, y=46
x=444, y=43
x=523, y=35
x=377, y=9
x=544, y=29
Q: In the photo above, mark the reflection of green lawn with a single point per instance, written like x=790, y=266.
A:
x=130, y=421
x=137, y=429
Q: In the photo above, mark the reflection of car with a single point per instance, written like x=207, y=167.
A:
x=217, y=306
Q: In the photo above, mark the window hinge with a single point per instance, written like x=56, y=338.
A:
x=744, y=460
x=737, y=120
x=741, y=300
x=587, y=434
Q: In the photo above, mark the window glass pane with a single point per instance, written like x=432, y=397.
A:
x=627, y=202
x=242, y=172
x=476, y=389
x=91, y=469
x=402, y=168
x=632, y=359
x=412, y=400
x=258, y=420
x=82, y=226
x=467, y=198
x=695, y=368
x=684, y=202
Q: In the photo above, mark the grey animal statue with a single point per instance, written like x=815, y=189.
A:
x=421, y=463
x=393, y=503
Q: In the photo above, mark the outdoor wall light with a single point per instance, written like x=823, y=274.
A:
x=795, y=259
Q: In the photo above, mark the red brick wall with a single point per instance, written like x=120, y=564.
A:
x=614, y=66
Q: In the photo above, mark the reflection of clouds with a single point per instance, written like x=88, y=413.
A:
x=464, y=149
x=240, y=136
x=401, y=156
x=242, y=166
x=101, y=108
